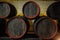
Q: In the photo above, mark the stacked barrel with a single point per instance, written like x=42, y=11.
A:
x=16, y=27
x=54, y=13
x=7, y=11
x=11, y=25
x=31, y=10
x=44, y=27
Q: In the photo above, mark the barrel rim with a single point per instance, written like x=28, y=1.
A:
x=38, y=10
x=49, y=9
x=9, y=9
x=52, y=34
x=10, y=35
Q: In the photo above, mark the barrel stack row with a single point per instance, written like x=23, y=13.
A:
x=17, y=26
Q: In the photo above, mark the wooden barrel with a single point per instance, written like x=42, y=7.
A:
x=53, y=10
x=7, y=10
x=31, y=10
x=17, y=27
x=45, y=28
